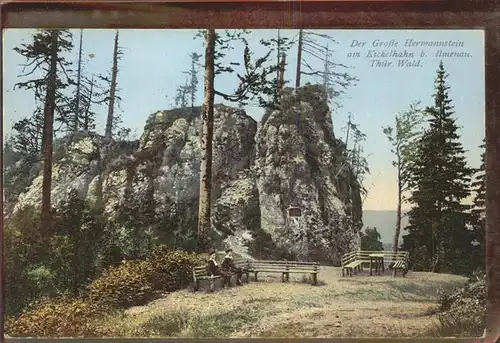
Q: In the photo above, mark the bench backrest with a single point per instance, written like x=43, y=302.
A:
x=199, y=271
x=284, y=265
x=241, y=262
x=364, y=256
x=389, y=256
x=348, y=257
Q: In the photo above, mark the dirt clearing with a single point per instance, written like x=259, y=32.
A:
x=358, y=306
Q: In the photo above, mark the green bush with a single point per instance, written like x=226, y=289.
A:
x=137, y=282
x=76, y=242
x=60, y=261
x=123, y=286
x=58, y=318
x=131, y=283
x=172, y=269
x=461, y=313
x=24, y=249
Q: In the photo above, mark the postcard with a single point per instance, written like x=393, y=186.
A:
x=257, y=183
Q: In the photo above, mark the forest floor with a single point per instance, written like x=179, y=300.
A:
x=357, y=306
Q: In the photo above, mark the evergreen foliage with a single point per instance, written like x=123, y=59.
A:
x=92, y=257
x=370, y=240
x=28, y=132
x=479, y=212
x=438, y=237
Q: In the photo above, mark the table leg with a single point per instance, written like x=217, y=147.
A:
x=370, y=266
x=383, y=266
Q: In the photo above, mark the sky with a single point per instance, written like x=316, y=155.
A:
x=153, y=61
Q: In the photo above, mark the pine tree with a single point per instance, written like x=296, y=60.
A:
x=314, y=45
x=281, y=78
x=370, y=240
x=204, y=209
x=479, y=211
x=354, y=155
x=280, y=46
x=88, y=93
x=181, y=95
x=192, y=73
x=111, y=95
x=300, y=48
x=78, y=84
x=253, y=84
x=45, y=55
x=81, y=116
x=27, y=134
x=253, y=81
x=440, y=181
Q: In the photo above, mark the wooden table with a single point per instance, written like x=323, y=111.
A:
x=379, y=263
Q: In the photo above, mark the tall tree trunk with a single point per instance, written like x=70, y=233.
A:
x=78, y=83
x=86, y=118
x=111, y=105
x=278, y=71
x=492, y=167
x=398, y=210
x=299, y=60
x=204, y=211
x=48, y=130
x=325, y=75
x=281, y=77
x=347, y=133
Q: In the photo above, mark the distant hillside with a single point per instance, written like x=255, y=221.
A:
x=385, y=222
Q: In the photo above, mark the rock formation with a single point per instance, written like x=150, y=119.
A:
x=290, y=163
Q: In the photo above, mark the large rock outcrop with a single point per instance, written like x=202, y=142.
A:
x=300, y=167
x=261, y=175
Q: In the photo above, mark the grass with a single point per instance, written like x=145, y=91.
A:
x=358, y=306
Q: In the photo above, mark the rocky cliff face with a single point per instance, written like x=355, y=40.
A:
x=290, y=164
x=299, y=165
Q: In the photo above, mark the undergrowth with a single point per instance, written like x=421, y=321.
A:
x=461, y=313
x=129, y=284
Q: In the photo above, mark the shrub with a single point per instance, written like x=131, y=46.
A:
x=172, y=269
x=24, y=250
x=58, y=318
x=131, y=283
x=123, y=286
x=76, y=241
x=462, y=312
x=137, y=282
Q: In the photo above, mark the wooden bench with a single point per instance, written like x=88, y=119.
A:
x=351, y=264
x=401, y=264
x=244, y=264
x=397, y=261
x=285, y=268
x=200, y=273
x=354, y=261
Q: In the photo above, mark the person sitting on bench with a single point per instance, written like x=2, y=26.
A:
x=229, y=266
x=213, y=268
x=212, y=265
